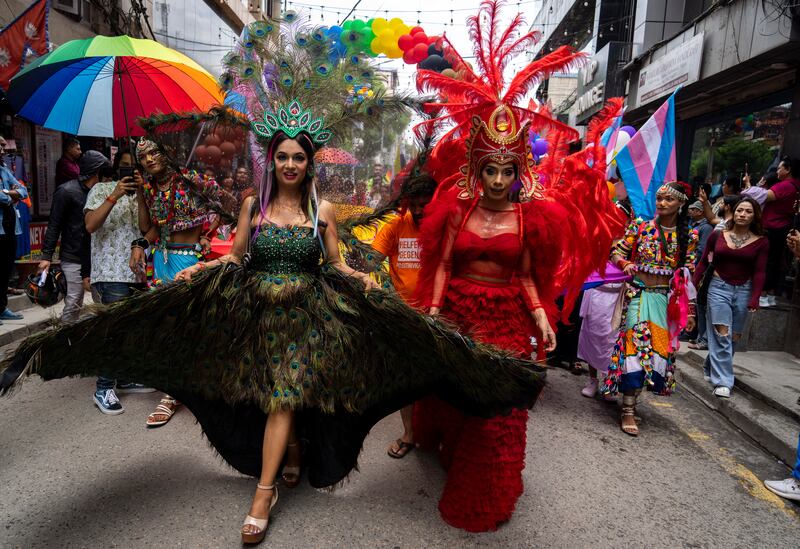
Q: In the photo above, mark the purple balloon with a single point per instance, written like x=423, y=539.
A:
x=540, y=147
x=630, y=130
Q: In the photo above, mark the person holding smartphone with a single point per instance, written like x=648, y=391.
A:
x=111, y=215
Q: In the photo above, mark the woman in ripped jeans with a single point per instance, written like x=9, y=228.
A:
x=738, y=256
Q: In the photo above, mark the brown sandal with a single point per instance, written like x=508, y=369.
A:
x=403, y=448
x=628, y=421
x=165, y=409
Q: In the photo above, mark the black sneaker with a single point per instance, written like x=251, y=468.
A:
x=132, y=388
x=108, y=403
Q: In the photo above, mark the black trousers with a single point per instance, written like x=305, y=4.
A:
x=776, y=260
x=8, y=253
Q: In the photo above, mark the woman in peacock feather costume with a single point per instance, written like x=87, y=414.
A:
x=282, y=341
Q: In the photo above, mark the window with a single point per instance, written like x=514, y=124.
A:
x=749, y=142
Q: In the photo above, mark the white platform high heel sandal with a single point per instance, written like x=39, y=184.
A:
x=252, y=538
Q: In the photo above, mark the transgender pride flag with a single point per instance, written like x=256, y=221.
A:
x=648, y=160
x=609, y=142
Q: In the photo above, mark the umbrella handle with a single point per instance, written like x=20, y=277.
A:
x=196, y=141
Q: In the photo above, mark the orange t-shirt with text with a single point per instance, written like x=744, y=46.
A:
x=398, y=240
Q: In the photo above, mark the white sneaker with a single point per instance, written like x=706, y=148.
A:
x=788, y=488
x=773, y=301
x=590, y=389
x=763, y=302
x=723, y=392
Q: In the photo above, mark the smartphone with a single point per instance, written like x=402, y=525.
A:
x=126, y=172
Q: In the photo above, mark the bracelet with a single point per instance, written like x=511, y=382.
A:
x=622, y=263
x=201, y=265
x=140, y=243
x=111, y=199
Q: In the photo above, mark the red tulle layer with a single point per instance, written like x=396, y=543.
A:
x=484, y=458
x=494, y=314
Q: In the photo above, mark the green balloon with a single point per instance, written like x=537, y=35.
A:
x=358, y=24
x=368, y=36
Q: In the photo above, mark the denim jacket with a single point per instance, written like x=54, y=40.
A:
x=10, y=183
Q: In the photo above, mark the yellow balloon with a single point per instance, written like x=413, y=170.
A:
x=396, y=22
x=395, y=53
x=388, y=43
x=376, y=45
x=379, y=24
x=450, y=73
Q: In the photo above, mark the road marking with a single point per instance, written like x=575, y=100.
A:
x=697, y=435
x=750, y=482
x=746, y=478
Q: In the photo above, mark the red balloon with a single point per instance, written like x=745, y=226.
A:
x=405, y=42
x=239, y=145
x=213, y=140
x=434, y=40
x=228, y=149
x=420, y=52
x=421, y=38
x=200, y=152
x=415, y=30
x=213, y=154
x=408, y=57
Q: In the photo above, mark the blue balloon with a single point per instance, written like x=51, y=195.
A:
x=335, y=31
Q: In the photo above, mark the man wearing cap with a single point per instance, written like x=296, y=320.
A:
x=704, y=230
x=67, y=223
x=701, y=224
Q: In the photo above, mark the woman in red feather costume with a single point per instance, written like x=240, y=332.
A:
x=494, y=267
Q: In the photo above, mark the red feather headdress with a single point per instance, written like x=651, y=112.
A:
x=483, y=109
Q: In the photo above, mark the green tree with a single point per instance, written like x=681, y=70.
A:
x=732, y=156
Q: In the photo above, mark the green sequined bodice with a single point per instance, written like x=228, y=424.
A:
x=285, y=250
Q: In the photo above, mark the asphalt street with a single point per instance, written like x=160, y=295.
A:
x=72, y=477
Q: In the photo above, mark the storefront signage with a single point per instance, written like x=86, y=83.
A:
x=599, y=80
x=679, y=67
x=36, y=232
x=48, y=151
x=593, y=93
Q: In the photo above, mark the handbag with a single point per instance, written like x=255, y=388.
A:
x=702, y=291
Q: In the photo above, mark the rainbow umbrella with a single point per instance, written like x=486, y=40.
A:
x=100, y=86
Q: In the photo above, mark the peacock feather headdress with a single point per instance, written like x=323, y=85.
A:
x=292, y=120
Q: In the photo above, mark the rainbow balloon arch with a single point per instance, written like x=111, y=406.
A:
x=392, y=38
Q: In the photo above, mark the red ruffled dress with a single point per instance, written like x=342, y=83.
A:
x=484, y=458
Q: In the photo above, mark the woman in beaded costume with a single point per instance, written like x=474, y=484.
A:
x=283, y=342
x=175, y=208
x=495, y=267
x=660, y=254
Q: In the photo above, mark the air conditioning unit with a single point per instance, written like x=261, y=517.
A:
x=68, y=6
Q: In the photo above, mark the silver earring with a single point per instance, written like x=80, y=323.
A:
x=270, y=166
